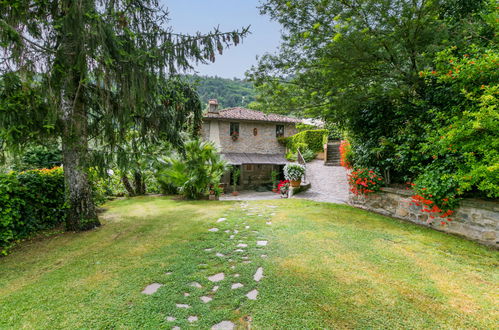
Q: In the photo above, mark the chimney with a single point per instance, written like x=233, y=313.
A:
x=213, y=106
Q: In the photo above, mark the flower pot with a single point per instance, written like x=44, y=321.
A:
x=235, y=193
x=275, y=190
x=295, y=184
x=213, y=197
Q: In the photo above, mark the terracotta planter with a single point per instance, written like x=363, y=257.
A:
x=275, y=190
x=295, y=184
x=235, y=193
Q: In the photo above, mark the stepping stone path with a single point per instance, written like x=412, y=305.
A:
x=252, y=294
x=224, y=325
x=241, y=244
x=152, y=288
x=217, y=277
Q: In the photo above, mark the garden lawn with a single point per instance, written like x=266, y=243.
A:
x=327, y=266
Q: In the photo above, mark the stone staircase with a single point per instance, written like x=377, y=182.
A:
x=333, y=154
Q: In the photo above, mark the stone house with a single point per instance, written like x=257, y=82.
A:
x=248, y=140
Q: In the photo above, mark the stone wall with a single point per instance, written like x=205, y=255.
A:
x=265, y=142
x=475, y=219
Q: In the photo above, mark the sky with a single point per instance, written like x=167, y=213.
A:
x=189, y=16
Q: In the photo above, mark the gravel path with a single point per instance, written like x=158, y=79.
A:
x=328, y=183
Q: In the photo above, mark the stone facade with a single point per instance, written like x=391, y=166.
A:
x=264, y=142
x=475, y=219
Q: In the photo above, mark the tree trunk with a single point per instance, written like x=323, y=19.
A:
x=140, y=186
x=81, y=214
x=128, y=185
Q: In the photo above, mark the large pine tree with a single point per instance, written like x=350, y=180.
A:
x=86, y=71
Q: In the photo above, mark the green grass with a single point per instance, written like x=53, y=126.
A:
x=328, y=266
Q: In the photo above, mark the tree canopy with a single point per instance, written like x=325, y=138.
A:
x=88, y=71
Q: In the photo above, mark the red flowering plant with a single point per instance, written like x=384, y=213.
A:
x=364, y=181
x=437, y=194
x=283, y=187
x=345, y=153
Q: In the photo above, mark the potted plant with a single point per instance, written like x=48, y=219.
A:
x=215, y=192
x=235, y=177
x=273, y=178
x=234, y=135
x=283, y=188
x=294, y=173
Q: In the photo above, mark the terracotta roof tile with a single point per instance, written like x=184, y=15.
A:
x=252, y=115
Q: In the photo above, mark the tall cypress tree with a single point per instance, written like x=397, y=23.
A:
x=97, y=68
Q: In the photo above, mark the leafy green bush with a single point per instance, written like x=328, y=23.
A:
x=310, y=139
x=39, y=157
x=308, y=155
x=30, y=201
x=293, y=172
x=195, y=171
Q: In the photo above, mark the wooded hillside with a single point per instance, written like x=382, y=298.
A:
x=229, y=92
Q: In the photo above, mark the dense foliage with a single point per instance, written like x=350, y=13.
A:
x=229, y=92
x=195, y=171
x=30, y=201
x=86, y=72
x=413, y=84
x=310, y=139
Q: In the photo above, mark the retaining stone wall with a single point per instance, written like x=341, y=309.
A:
x=475, y=219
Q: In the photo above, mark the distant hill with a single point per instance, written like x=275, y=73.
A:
x=229, y=92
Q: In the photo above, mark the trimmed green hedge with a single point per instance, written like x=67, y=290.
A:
x=312, y=140
x=30, y=201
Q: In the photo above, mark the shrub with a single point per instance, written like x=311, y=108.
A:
x=364, y=181
x=308, y=155
x=345, y=154
x=195, y=171
x=294, y=172
x=311, y=139
x=30, y=201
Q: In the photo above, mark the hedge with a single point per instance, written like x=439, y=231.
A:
x=30, y=201
x=312, y=140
